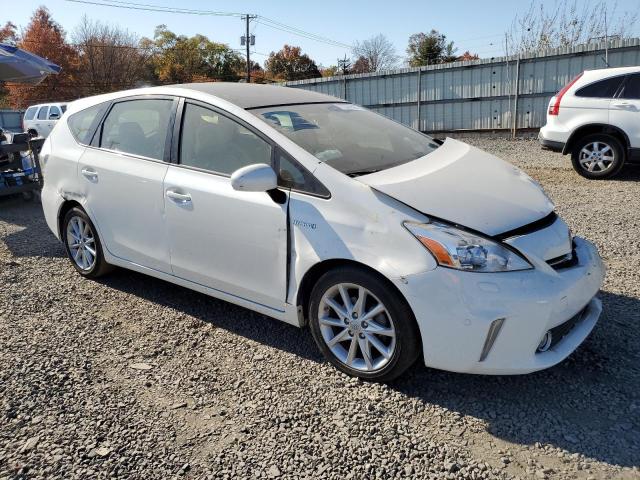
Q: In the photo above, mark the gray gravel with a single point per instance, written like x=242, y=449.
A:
x=131, y=377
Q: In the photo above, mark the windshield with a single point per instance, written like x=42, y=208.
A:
x=350, y=138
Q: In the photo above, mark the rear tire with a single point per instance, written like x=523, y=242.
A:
x=352, y=336
x=83, y=245
x=598, y=156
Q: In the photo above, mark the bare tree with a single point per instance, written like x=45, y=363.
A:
x=377, y=52
x=567, y=24
x=110, y=57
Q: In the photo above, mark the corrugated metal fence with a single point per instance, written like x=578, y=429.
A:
x=476, y=95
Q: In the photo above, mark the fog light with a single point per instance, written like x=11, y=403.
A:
x=545, y=343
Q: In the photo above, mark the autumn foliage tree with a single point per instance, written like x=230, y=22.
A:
x=182, y=59
x=291, y=64
x=46, y=38
x=109, y=57
x=8, y=34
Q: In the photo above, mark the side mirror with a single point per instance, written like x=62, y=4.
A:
x=259, y=177
x=54, y=116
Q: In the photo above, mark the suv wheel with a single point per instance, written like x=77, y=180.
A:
x=598, y=156
x=362, y=326
x=83, y=245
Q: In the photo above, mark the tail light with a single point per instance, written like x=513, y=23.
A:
x=554, y=105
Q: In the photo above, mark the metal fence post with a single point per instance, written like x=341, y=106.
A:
x=344, y=87
x=515, y=103
x=419, y=97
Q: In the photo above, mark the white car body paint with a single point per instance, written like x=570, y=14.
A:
x=504, y=197
x=233, y=245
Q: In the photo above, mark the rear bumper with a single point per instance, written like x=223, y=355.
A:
x=552, y=145
x=455, y=311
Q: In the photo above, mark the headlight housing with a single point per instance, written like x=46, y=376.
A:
x=462, y=250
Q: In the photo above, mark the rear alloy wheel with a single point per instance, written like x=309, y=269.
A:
x=83, y=245
x=598, y=156
x=361, y=326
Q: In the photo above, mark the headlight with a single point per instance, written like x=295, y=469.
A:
x=455, y=248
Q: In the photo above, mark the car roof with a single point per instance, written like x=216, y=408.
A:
x=48, y=104
x=253, y=95
x=606, y=72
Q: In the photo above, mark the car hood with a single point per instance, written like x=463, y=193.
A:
x=467, y=186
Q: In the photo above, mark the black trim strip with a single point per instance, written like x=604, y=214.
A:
x=294, y=104
x=529, y=228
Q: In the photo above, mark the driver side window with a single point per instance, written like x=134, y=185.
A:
x=210, y=141
x=138, y=127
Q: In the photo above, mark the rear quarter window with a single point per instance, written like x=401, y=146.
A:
x=606, y=88
x=83, y=124
x=30, y=113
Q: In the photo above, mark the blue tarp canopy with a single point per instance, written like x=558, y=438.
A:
x=20, y=66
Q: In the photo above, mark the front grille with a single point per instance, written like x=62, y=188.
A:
x=562, y=330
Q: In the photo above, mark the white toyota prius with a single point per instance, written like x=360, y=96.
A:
x=388, y=244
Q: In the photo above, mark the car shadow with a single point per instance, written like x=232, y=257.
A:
x=562, y=406
x=30, y=236
x=629, y=173
x=588, y=404
x=218, y=313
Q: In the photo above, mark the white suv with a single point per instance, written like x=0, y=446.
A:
x=39, y=120
x=596, y=118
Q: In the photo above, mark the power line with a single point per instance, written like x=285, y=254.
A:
x=297, y=31
x=156, y=8
x=268, y=22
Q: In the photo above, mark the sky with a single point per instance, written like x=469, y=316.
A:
x=478, y=26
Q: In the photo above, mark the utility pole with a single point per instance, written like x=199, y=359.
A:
x=606, y=40
x=344, y=64
x=248, y=40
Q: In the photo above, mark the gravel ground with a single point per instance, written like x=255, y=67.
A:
x=131, y=377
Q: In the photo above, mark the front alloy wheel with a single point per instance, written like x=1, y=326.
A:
x=357, y=327
x=362, y=324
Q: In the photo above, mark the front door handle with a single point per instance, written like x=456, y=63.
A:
x=178, y=197
x=90, y=173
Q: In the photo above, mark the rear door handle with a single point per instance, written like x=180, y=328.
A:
x=90, y=173
x=178, y=197
x=622, y=104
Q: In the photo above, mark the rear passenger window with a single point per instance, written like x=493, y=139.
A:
x=83, y=123
x=632, y=88
x=602, y=89
x=54, y=111
x=216, y=143
x=30, y=113
x=138, y=127
x=42, y=113
x=294, y=176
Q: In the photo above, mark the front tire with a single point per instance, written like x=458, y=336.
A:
x=82, y=244
x=362, y=325
x=598, y=156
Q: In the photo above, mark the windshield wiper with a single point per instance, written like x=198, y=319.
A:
x=358, y=173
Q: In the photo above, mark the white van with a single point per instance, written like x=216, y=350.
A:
x=39, y=120
x=387, y=244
